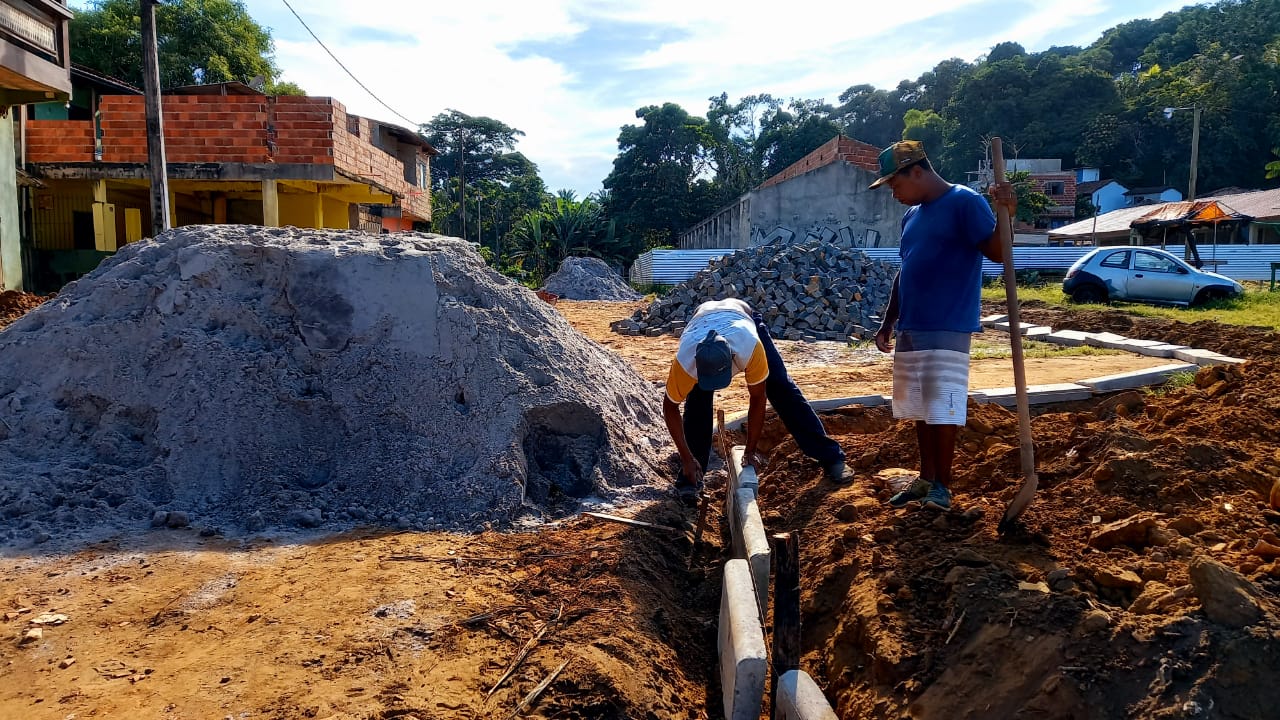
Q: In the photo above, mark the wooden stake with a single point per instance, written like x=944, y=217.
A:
x=786, y=610
x=1004, y=227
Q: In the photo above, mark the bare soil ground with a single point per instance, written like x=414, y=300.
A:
x=905, y=612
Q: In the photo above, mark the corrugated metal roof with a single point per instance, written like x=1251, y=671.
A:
x=1260, y=205
x=1187, y=211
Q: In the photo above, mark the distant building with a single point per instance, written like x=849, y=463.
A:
x=35, y=66
x=823, y=196
x=234, y=155
x=1104, y=195
x=1153, y=195
x=1048, y=177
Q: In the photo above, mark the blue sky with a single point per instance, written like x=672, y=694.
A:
x=570, y=73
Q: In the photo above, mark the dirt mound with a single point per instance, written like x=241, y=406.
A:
x=584, y=278
x=1145, y=584
x=242, y=377
x=1231, y=340
x=808, y=291
x=15, y=303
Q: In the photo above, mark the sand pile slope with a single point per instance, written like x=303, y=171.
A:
x=584, y=278
x=249, y=377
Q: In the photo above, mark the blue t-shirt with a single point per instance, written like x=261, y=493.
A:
x=941, y=278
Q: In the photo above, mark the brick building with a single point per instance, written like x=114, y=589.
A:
x=234, y=156
x=35, y=66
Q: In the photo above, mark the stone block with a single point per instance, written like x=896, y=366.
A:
x=1160, y=351
x=800, y=698
x=743, y=662
x=1110, y=341
x=833, y=403
x=1038, y=394
x=1137, y=378
x=751, y=543
x=1069, y=338
x=1204, y=357
x=991, y=320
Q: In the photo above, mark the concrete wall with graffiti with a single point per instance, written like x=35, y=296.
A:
x=831, y=203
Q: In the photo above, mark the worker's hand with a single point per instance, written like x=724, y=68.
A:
x=884, y=339
x=1003, y=195
x=755, y=460
x=691, y=469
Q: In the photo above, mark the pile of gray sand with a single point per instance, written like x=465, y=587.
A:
x=240, y=378
x=583, y=278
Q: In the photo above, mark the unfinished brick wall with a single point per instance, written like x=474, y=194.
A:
x=231, y=129
x=838, y=148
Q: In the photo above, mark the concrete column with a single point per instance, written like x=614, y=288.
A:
x=270, y=204
x=317, y=211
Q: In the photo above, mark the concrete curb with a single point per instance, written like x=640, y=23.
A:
x=743, y=662
x=1037, y=394
x=1137, y=379
x=800, y=698
x=751, y=543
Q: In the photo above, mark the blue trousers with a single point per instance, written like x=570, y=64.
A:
x=785, y=397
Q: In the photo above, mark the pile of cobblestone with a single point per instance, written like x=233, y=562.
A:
x=808, y=291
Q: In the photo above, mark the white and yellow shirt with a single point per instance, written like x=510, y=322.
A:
x=731, y=319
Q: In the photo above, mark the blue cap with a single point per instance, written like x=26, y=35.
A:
x=714, y=362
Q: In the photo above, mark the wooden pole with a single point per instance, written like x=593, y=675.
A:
x=1004, y=226
x=786, y=611
x=155, y=121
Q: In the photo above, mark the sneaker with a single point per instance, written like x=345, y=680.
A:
x=838, y=473
x=939, y=498
x=918, y=489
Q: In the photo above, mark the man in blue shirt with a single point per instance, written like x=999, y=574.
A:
x=934, y=308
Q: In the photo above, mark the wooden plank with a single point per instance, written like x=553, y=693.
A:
x=786, y=610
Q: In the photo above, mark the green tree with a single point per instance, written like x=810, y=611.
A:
x=788, y=135
x=200, y=41
x=660, y=183
x=926, y=126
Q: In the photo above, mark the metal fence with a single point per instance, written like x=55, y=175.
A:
x=1239, y=262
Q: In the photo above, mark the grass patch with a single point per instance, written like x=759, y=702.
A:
x=1175, y=382
x=1257, y=308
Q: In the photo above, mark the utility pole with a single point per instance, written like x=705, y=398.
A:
x=1195, y=150
x=155, y=120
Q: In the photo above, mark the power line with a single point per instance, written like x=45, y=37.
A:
x=345, y=69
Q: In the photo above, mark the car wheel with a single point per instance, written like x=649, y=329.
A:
x=1089, y=294
x=1210, y=294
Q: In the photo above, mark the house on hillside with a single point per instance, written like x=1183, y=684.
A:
x=1048, y=177
x=35, y=66
x=235, y=155
x=823, y=196
x=1104, y=195
x=1153, y=195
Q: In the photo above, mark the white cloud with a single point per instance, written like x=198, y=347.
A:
x=468, y=56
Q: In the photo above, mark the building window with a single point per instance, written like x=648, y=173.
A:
x=1055, y=188
x=353, y=125
x=424, y=174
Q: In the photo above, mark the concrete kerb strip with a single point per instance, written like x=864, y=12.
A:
x=743, y=660
x=1036, y=394
x=1068, y=338
x=1137, y=379
x=1160, y=351
x=1205, y=357
x=800, y=698
x=746, y=527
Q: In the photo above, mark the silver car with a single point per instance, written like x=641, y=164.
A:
x=1143, y=274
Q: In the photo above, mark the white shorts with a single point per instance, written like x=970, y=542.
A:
x=931, y=377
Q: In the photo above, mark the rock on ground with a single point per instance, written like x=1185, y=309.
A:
x=252, y=376
x=584, y=278
x=810, y=291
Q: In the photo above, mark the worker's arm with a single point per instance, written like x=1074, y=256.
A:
x=755, y=423
x=675, y=425
x=884, y=335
